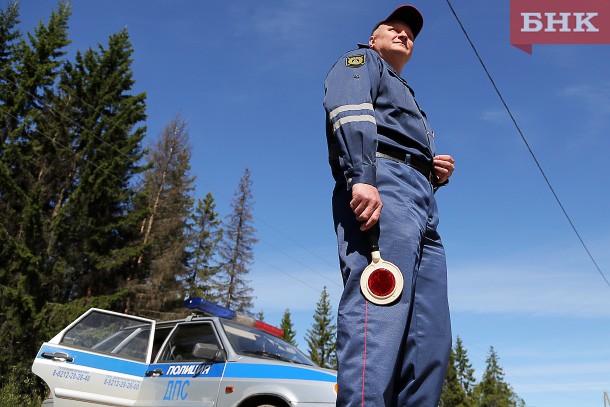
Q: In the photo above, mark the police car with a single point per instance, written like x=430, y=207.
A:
x=217, y=359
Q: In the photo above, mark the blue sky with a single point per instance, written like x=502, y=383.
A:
x=248, y=77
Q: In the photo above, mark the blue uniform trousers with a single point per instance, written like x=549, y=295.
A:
x=393, y=355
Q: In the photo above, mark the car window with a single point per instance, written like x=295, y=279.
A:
x=189, y=343
x=161, y=333
x=252, y=342
x=113, y=334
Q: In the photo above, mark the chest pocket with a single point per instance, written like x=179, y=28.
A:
x=402, y=111
x=400, y=96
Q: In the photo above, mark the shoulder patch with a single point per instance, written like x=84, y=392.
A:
x=354, y=61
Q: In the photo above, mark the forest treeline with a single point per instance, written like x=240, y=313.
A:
x=90, y=216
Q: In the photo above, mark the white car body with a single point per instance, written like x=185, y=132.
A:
x=112, y=359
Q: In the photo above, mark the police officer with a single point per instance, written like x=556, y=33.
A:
x=381, y=151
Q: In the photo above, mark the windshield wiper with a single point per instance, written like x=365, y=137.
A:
x=267, y=355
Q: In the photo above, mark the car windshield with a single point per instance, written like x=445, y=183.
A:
x=252, y=342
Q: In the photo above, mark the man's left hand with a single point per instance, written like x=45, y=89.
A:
x=443, y=167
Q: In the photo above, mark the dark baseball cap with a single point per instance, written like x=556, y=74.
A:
x=409, y=15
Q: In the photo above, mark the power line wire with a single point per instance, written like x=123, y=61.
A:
x=582, y=242
x=291, y=276
x=285, y=236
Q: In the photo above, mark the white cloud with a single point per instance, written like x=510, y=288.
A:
x=285, y=23
x=495, y=116
x=575, y=369
x=595, y=101
x=562, y=388
x=596, y=97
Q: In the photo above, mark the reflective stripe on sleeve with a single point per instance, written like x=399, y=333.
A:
x=345, y=108
x=357, y=118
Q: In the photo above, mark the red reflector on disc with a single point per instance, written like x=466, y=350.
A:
x=381, y=282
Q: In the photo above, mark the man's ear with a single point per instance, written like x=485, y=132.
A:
x=371, y=41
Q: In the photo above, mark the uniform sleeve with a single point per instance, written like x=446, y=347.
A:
x=350, y=115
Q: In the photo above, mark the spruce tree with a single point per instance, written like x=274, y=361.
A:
x=236, y=251
x=9, y=35
x=70, y=151
x=205, y=235
x=322, y=336
x=453, y=395
x=97, y=228
x=493, y=391
x=289, y=332
x=29, y=70
x=464, y=370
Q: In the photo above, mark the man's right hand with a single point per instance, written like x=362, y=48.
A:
x=366, y=204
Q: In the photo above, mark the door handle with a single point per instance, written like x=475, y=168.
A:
x=154, y=373
x=58, y=357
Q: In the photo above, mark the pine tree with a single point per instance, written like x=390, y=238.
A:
x=289, y=332
x=453, y=395
x=464, y=370
x=493, y=391
x=205, y=235
x=236, y=251
x=167, y=190
x=321, y=338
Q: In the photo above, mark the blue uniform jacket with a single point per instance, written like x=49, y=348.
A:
x=366, y=103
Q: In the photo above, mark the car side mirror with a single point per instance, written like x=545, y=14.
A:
x=209, y=351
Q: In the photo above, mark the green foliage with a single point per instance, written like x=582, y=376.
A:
x=322, y=336
x=492, y=390
x=453, y=394
x=29, y=70
x=16, y=389
x=205, y=235
x=96, y=222
x=289, y=332
x=461, y=390
x=69, y=150
x=463, y=367
x=54, y=317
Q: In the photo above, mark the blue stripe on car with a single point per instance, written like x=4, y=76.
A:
x=264, y=371
x=110, y=363
x=233, y=370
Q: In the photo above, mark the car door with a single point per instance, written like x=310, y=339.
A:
x=188, y=369
x=99, y=359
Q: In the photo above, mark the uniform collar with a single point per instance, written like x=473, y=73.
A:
x=388, y=66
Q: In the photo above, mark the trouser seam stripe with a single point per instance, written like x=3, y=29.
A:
x=366, y=315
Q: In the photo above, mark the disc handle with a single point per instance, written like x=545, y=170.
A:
x=373, y=237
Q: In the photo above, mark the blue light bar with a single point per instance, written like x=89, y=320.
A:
x=209, y=307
